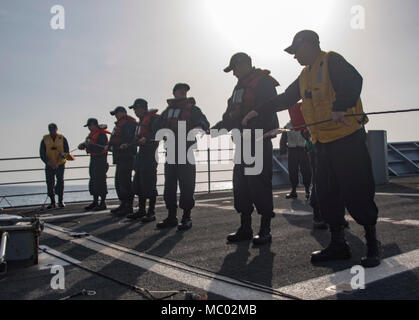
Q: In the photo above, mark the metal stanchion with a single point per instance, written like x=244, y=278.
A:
x=3, y=243
x=209, y=169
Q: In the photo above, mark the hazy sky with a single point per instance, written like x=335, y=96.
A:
x=112, y=52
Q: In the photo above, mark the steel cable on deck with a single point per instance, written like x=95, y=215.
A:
x=242, y=283
x=142, y=291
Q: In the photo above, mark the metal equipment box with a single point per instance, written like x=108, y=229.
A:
x=20, y=237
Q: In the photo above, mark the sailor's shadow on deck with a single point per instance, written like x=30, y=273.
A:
x=395, y=186
x=237, y=266
x=235, y=263
x=302, y=221
x=165, y=247
x=126, y=228
x=89, y=227
x=260, y=269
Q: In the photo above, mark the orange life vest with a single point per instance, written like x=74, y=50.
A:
x=143, y=129
x=244, y=95
x=178, y=110
x=116, y=134
x=93, y=137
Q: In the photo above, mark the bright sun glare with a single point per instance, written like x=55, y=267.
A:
x=259, y=24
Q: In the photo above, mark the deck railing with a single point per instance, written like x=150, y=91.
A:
x=208, y=161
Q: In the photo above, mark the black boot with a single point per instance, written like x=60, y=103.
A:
x=141, y=206
x=170, y=222
x=141, y=210
x=292, y=194
x=61, y=203
x=245, y=232
x=126, y=209
x=93, y=205
x=151, y=205
x=264, y=235
x=373, y=257
x=129, y=206
x=186, y=222
x=52, y=205
x=150, y=216
x=338, y=248
x=102, y=205
x=120, y=208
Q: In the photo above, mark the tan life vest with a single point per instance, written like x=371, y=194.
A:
x=53, y=149
x=318, y=95
x=295, y=139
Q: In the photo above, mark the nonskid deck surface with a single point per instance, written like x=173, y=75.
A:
x=201, y=261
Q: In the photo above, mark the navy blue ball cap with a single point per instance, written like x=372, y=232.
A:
x=237, y=59
x=139, y=103
x=308, y=36
x=118, y=109
x=91, y=121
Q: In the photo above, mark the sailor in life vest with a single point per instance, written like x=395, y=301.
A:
x=330, y=88
x=145, y=178
x=254, y=86
x=52, y=151
x=181, y=112
x=96, y=145
x=292, y=145
x=123, y=154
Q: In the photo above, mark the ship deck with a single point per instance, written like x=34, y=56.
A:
x=200, y=260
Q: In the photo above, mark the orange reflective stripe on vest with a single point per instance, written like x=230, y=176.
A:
x=178, y=110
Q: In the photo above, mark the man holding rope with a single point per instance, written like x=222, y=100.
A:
x=145, y=179
x=330, y=88
x=96, y=145
x=123, y=157
x=254, y=86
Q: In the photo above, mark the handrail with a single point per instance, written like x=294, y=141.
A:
x=86, y=190
x=86, y=155
x=208, y=161
x=85, y=179
x=111, y=166
x=38, y=169
x=36, y=158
